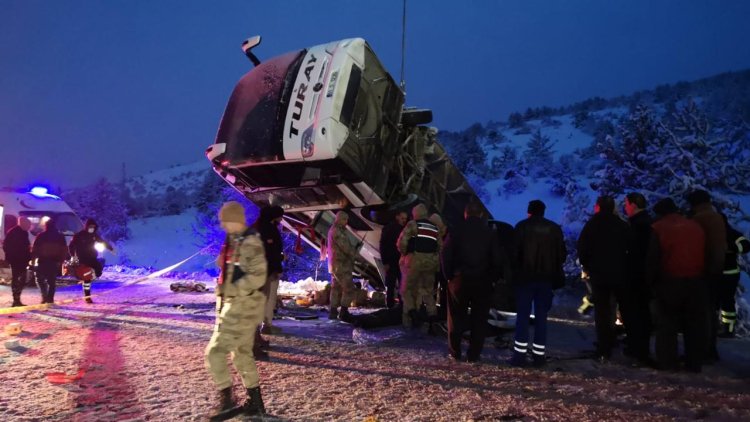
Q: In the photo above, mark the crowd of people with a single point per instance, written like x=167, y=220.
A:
x=665, y=274
x=673, y=274
x=47, y=254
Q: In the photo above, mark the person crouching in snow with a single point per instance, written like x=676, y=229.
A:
x=83, y=246
x=239, y=305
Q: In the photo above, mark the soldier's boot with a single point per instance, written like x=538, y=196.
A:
x=344, y=314
x=333, y=314
x=17, y=300
x=254, y=404
x=225, y=407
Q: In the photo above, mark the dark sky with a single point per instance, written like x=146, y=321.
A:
x=88, y=85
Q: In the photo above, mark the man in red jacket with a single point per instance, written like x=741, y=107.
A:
x=713, y=226
x=676, y=271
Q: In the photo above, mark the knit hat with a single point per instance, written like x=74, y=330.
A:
x=232, y=212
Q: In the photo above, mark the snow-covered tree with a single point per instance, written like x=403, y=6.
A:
x=671, y=158
x=538, y=155
x=102, y=201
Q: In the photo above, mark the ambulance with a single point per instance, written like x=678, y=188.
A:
x=38, y=205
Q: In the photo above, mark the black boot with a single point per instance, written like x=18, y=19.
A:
x=87, y=295
x=254, y=404
x=225, y=407
x=344, y=314
x=333, y=314
x=17, y=300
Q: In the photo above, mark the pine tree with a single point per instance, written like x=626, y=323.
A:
x=102, y=201
x=538, y=154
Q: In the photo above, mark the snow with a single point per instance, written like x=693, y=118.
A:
x=137, y=354
x=158, y=242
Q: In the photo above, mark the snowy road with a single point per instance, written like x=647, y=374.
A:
x=138, y=355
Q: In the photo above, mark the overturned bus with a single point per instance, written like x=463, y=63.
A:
x=325, y=129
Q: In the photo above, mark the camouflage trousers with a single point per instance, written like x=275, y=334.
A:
x=237, y=321
x=417, y=287
x=342, y=289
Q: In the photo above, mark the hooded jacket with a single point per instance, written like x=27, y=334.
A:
x=83, y=244
x=271, y=237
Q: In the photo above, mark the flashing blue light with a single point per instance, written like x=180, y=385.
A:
x=42, y=192
x=39, y=191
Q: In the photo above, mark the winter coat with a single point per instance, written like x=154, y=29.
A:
x=539, y=253
x=17, y=247
x=716, y=238
x=82, y=246
x=271, y=237
x=640, y=228
x=676, y=250
x=736, y=244
x=243, y=265
x=341, y=252
x=603, y=248
x=49, y=247
x=388, y=237
x=473, y=251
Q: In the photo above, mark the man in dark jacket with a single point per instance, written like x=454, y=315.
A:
x=638, y=294
x=389, y=255
x=17, y=250
x=713, y=226
x=603, y=250
x=50, y=251
x=736, y=244
x=470, y=259
x=676, y=270
x=539, y=256
x=83, y=246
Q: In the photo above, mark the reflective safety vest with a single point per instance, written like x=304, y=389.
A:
x=737, y=244
x=426, y=240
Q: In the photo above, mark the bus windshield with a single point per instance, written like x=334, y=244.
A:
x=253, y=120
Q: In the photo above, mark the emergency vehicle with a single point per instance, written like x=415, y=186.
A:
x=37, y=205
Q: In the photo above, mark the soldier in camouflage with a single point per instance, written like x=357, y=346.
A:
x=341, y=254
x=240, y=305
x=419, y=245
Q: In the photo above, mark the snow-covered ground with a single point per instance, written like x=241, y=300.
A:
x=137, y=354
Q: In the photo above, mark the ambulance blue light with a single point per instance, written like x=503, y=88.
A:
x=42, y=192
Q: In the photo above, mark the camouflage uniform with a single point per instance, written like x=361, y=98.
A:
x=418, y=269
x=341, y=254
x=240, y=305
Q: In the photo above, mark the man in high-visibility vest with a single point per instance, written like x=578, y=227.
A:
x=419, y=244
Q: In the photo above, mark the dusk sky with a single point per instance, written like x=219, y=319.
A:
x=86, y=86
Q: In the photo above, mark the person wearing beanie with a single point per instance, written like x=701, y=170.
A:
x=267, y=226
x=538, y=259
x=341, y=254
x=83, y=246
x=240, y=305
x=419, y=244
